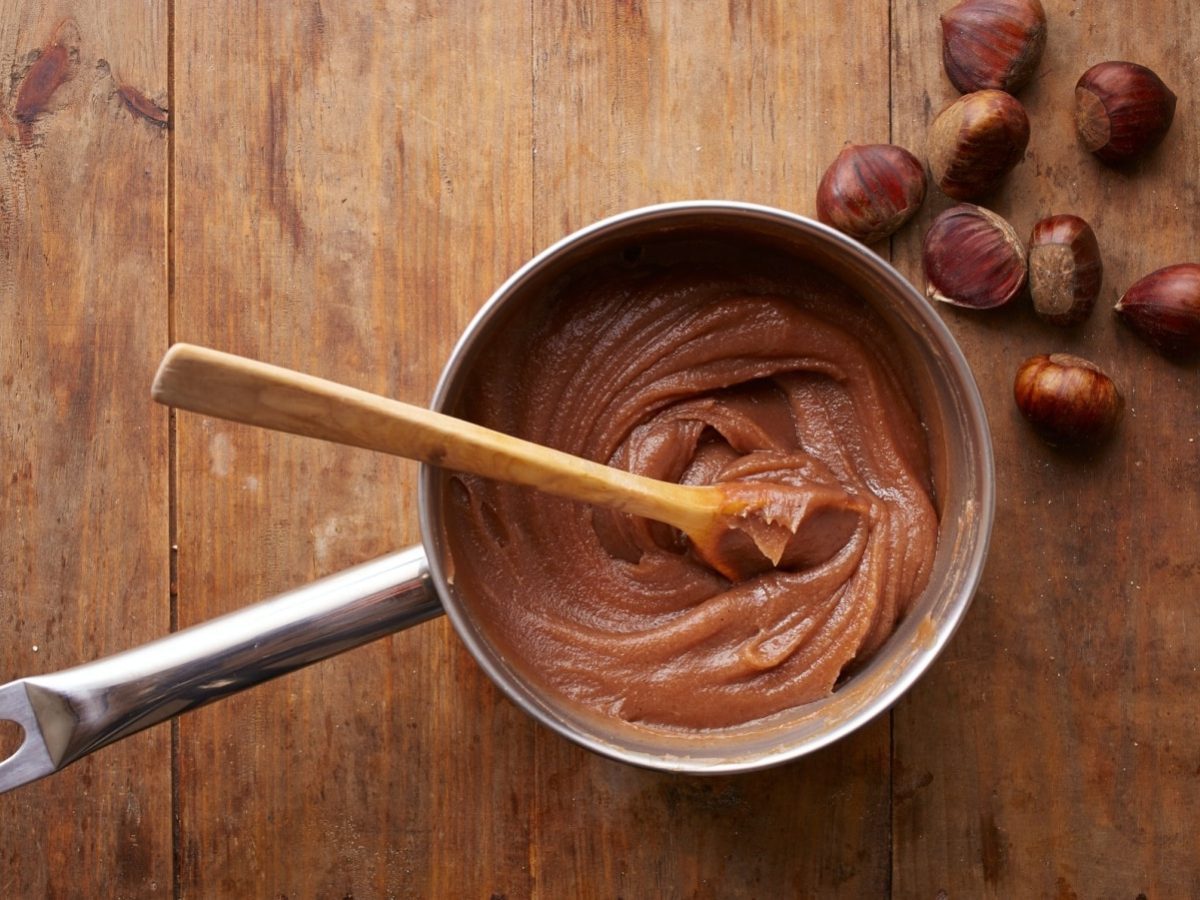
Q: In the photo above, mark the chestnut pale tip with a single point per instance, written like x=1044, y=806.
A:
x=1065, y=269
x=1123, y=110
x=975, y=142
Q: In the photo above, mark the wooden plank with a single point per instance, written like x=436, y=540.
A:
x=1052, y=751
x=352, y=184
x=83, y=453
x=637, y=103
x=486, y=795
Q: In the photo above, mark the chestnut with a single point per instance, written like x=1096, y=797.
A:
x=1122, y=111
x=869, y=191
x=975, y=141
x=973, y=258
x=1068, y=400
x=1065, y=269
x=1163, y=308
x=993, y=43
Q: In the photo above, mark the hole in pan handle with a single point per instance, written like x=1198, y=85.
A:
x=31, y=760
x=69, y=714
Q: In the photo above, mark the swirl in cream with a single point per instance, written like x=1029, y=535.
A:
x=697, y=373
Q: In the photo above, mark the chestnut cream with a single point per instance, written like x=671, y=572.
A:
x=698, y=365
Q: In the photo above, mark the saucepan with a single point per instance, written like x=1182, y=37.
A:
x=68, y=714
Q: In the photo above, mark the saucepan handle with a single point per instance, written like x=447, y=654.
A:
x=66, y=715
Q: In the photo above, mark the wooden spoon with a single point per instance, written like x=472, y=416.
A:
x=739, y=528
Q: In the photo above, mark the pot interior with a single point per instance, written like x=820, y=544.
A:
x=959, y=444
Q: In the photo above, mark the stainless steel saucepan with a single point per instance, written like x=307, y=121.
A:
x=68, y=714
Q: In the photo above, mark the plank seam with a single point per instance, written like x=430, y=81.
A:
x=172, y=451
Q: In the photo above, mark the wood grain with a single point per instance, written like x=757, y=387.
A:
x=1052, y=751
x=84, y=544
x=352, y=184
x=349, y=185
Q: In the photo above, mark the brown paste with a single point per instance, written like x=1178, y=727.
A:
x=694, y=371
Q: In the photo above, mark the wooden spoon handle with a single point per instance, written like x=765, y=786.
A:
x=255, y=393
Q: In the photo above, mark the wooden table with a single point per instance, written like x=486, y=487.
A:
x=338, y=189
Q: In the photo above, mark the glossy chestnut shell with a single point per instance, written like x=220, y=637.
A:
x=870, y=190
x=1123, y=110
x=976, y=141
x=993, y=43
x=1163, y=308
x=973, y=258
x=1065, y=269
x=1068, y=400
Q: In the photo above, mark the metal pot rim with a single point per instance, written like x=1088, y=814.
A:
x=885, y=681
